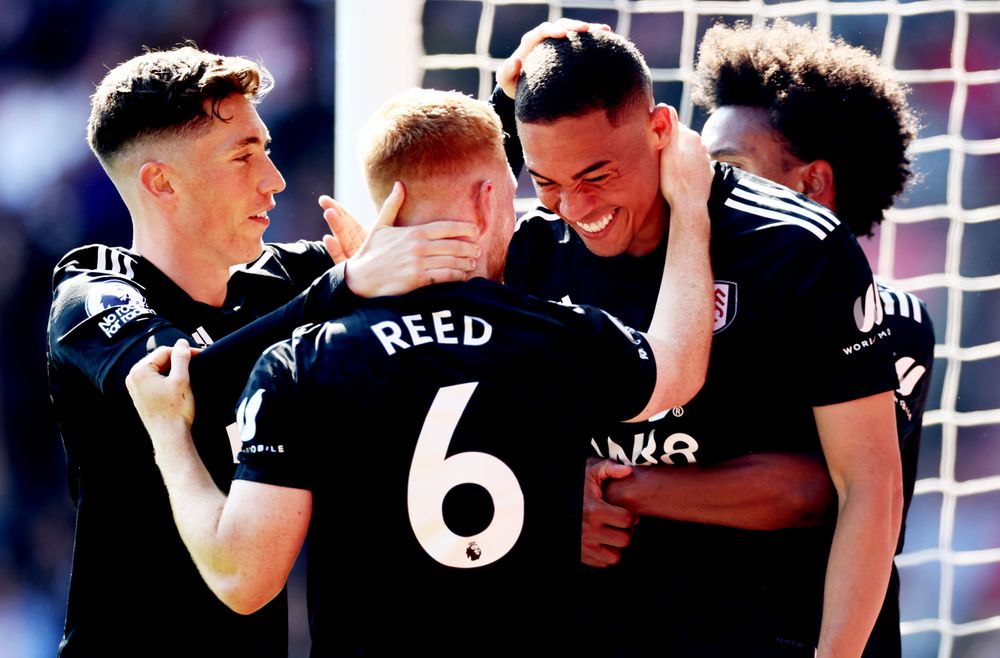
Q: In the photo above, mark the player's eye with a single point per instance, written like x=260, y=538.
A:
x=596, y=179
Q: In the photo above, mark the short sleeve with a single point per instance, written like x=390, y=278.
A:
x=96, y=318
x=844, y=347
x=276, y=446
x=614, y=352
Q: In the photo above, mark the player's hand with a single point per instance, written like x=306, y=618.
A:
x=607, y=529
x=160, y=386
x=510, y=70
x=346, y=233
x=686, y=171
x=393, y=260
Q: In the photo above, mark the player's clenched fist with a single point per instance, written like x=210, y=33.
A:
x=163, y=400
x=606, y=528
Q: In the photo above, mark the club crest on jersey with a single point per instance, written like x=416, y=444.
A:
x=117, y=303
x=725, y=305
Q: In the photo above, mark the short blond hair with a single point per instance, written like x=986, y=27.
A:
x=424, y=133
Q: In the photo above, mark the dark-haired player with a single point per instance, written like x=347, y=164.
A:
x=178, y=134
x=471, y=403
x=767, y=90
x=716, y=567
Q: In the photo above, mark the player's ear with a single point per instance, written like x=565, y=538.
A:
x=485, y=201
x=154, y=178
x=818, y=183
x=661, y=124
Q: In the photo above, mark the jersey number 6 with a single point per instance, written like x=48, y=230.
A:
x=433, y=475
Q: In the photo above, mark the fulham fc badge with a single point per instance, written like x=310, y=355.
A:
x=725, y=305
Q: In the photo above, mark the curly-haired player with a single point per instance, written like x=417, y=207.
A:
x=824, y=118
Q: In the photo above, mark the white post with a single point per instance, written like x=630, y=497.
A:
x=378, y=50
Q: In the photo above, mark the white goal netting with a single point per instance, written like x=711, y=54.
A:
x=942, y=242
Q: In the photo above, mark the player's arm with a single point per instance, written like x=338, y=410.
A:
x=859, y=441
x=680, y=333
x=763, y=491
x=243, y=544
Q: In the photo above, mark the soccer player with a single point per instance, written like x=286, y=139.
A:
x=458, y=415
x=178, y=134
x=799, y=363
x=767, y=90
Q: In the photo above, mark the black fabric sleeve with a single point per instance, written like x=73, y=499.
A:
x=101, y=324
x=503, y=105
x=273, y=424
x=614, y=352
x=844, y=348
x=222, y=369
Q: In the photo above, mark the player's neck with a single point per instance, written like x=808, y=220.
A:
x=654, y=225
x=203, y=281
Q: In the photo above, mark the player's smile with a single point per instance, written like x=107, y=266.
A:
x=598, y=227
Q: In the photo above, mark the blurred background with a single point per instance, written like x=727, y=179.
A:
x=943, y=242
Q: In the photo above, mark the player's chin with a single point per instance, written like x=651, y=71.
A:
x=604, y=246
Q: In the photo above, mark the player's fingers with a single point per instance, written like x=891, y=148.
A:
x=448, y=228
x=343, y=224
x=180, y=359
x=597, y=512
x=334, y=249
x=599, y=556
x=325, y=201
x=434, y=263
x=444, y=275
x=608, y=536
x=390, y=208
x=610, y=469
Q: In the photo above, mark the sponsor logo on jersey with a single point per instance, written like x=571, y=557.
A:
x=117, y=303
x=868, y=312
x=725, y=305
x=867, y=342
x=676, y=448
x=627, y=331
x=909, y=373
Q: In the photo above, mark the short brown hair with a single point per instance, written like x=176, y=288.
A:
x=424, y=133
x=828, y=100
x=162, y=91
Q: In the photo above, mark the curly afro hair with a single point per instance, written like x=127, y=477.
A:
x=829, y=100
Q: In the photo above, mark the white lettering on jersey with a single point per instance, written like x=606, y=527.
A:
x=246, y=423
x=117, y=303
x=433, y=473
x=867, y=342
x=475, y=331
x=644, y=447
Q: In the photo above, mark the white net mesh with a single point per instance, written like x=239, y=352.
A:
x=942, y=242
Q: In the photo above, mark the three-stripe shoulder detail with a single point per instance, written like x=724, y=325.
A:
x=783, y=206
x=904, y=304
x=115, y=262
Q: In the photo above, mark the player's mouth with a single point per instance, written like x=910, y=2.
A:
x=599, y=226
x=260, y=218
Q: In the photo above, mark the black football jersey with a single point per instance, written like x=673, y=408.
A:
x=443, y=435
x=799, y=323
x=911, y=336
x=133, y=588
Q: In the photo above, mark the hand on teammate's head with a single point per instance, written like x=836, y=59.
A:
x=510, y=70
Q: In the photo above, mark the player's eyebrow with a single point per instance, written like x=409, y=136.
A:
x=724, y=151
x=577, y=176
x=251, y=141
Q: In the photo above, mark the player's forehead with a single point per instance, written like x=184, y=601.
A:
x=737, y=130
x=570, y=146
x=239, y=126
